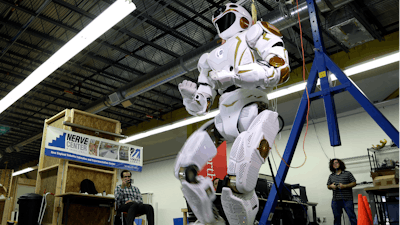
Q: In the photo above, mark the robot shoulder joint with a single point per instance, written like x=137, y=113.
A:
x=202, y=63
x=253, y=34
x=269, y=28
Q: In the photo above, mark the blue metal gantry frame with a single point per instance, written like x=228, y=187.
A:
x=321, y=64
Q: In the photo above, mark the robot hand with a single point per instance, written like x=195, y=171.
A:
x=187, y=89
x=196, y=106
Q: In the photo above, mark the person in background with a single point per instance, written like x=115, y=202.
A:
x=215, y=183
x=129, y=199
x=341, y=182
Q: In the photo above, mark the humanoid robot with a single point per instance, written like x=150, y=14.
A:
x=244, y=119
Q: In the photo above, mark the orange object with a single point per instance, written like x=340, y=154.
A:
x=363, y=218
x=368, y=208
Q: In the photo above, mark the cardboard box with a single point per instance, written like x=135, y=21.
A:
x=385, y=180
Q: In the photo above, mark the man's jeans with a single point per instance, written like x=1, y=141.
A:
x=348, y=206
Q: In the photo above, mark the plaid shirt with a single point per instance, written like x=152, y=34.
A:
x=129, y=193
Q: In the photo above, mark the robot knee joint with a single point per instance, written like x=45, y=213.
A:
x=189, y=174
x=264, y=148
x=230, y=181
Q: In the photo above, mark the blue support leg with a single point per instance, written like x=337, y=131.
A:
x=358, y=95
x=290, y=148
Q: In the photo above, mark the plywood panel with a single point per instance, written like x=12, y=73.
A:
x=102, y=181
x=49, y=181
x=93, y=133
x=5, y=179
x=88, y=215
x=2, y=203
x=6, y=211
x=28, y=182
x=93, y=121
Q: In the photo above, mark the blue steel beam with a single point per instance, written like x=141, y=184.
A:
x=320, y=52
x=321, y=64
x=290, y=147
x=335, y=90
x=360, y=97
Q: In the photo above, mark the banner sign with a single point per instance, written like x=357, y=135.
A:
x=88, y=149
x=216, y=167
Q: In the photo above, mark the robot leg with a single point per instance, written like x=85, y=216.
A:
x=240, y=209
x=198, y=190
x=248, y=153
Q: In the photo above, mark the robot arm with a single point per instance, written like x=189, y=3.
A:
x=198, y=101
x=274, y=69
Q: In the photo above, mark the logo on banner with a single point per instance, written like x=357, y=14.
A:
x=77, y=142
x=57, y=139
x=135, y=155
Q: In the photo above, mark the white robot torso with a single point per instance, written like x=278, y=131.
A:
x=233, y=53
x=235, y=61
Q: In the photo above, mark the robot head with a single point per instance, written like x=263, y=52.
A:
x=230, y=19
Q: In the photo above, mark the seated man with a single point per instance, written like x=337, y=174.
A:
x=129, y=199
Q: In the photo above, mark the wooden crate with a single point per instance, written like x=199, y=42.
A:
x=385, y=180
x=59, y=176
x=382, y=173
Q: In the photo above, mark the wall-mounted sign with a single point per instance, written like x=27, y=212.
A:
x=88, y=149
x=4, y=130
x=216, y=167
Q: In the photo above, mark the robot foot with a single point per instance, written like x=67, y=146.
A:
x=218, y=221
x=200, y=197
x=240, y=209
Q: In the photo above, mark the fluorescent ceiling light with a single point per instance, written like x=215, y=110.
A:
x=375, y=63
x=26, y=170
x=372, y=64
x=172, y=126
x=356, y=69
x=107, y=19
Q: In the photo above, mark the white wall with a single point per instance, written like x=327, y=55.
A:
x=358, y=132
x=21, y=190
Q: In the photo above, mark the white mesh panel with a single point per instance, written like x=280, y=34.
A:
x=252, y=176
x=237, y=208
x=241, y=171
x=235, y=147
x=240, y=153
x=231, y=168
x=254, y=200
x=249, y=139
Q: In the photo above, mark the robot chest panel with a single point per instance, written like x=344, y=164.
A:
x=230, y=54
